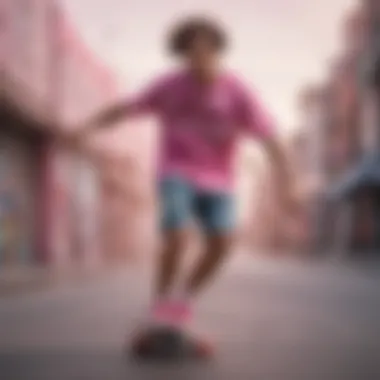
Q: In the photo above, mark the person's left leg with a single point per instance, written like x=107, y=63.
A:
x=216, y=213
x=216, y=250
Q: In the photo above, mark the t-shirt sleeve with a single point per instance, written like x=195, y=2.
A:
x=252, y=116
x=149, y=100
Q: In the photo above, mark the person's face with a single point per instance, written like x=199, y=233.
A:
x=203, y=55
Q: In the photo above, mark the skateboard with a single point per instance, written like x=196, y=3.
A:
x=167, y=343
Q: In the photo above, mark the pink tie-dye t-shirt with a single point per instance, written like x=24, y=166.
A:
x=201, y=124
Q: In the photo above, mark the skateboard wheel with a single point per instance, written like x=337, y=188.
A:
x=158, y=344
x=202, y=349
x=169, y=344
x=140, y=346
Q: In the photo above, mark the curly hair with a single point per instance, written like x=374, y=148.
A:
x=184, y=33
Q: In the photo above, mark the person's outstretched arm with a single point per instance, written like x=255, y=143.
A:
x=255, y=119
x=285, y=180
x=108, y=116
x=148, y=102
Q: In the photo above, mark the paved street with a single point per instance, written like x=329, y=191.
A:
x=271, y=321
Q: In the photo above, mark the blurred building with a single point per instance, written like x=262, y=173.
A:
x=361, y=185
x=336, y=153
x=52, y=200
x=339, y=143
x=309, y=151
x=27, y=112
x=271, y=227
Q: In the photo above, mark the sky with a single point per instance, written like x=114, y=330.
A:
x=278, y=45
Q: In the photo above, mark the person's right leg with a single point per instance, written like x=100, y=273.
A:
x=176, y=203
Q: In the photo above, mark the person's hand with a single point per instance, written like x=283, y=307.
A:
x=72, y=139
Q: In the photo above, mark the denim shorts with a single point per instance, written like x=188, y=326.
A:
x=181, y=202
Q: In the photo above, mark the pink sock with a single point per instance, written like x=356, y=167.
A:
x=171, y=312
x=182, y=312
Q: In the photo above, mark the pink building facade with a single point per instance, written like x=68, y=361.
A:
x=50, y=198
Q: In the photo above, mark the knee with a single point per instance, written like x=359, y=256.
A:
x=175, y=241
x=219, y=244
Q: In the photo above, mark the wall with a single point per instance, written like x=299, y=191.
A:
x=57, y=181
x=53, y=79
x=27, y=55
x=18, y=188
x=27, y=61
x=350, y=132
x=82, y=85
x=84, y=213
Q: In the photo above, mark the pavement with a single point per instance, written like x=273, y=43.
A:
x=21, y=280
x=17, y=280
x=270, y=319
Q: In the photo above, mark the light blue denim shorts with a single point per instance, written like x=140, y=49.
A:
x=181, y=202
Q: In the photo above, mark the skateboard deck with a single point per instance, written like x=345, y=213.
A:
x=167, y=343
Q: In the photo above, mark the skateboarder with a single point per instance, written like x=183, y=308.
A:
x=202, y=108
